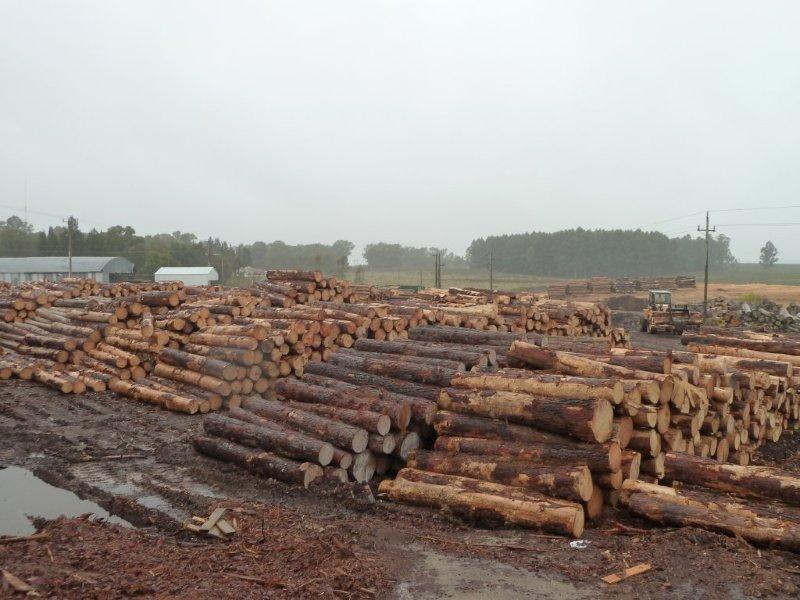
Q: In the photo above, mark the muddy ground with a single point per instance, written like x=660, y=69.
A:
x=137, y=462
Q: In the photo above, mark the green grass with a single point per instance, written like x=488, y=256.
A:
x=453, y=278
x=752, y=299
x=755, y=273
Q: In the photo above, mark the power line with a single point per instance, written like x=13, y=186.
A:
x=757, y=224
x=713, y=210
x=676, y=218
x=756, y=208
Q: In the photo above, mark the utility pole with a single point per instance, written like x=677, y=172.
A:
x=706, y=230
x=491, y=271
x=437, y=270
x=70, y=221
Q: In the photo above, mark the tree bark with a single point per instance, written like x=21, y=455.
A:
x=462, y=335
x=667, y=507
x=483, y=501
x=588, y=420
x=398, y=369
x=569, y=482
x=447, y=364
x=782, y=346
x=262, y=463
x=208, y=366
x=249, y=429
x=748, y=482
x=600, y=458
x=544, y=384
x=213, y=384
x=371, y=421
x=161, y=398
x=294, y=389
x=340, y=434
x=399, y=386
x=414, y=348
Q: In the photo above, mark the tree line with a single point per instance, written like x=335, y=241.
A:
x=571, y=253
x=588, y=253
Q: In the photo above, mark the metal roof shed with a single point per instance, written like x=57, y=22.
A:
x=188, y=275
x=53, y=268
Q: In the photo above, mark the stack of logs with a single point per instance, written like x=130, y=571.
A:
x=624, y=285
x=373, y=404
x=547, y=447
x=502, y=311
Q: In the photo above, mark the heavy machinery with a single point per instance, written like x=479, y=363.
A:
x=662, y=316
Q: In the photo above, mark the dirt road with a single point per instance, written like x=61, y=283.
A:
x=332, y=542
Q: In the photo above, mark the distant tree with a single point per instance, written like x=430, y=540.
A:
x=359, y=275
x=769, y=255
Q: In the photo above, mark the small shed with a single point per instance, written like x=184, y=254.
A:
x=104, y=269
x=188, y=275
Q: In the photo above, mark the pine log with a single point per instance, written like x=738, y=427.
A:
x=747, y=481
x=569, y=482
x=405, y=444
x=363, y=467
x=665, y=506
x=544, y=384
x=339, y=434
x=600, y=458
x=399, y=386
x=471, y=337
x=371, y=421
x=398, y=413
x=447, y=364
x=484, y=501
x=201, y=364
x=249, y=429
x=262, y=463
x=773, y=346
x=588, y=420
x=161, y=398
x=213, y=384
x=646, y=441
x=398, y=369
x=411, y=348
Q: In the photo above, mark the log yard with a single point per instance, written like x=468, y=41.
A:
x=232, y=436
x=418, y=300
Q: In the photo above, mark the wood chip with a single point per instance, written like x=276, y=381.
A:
x=24, y=538
x=16, y=583
x=629, y=572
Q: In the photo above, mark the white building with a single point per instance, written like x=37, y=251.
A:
x=188, y=275
x=53, y=268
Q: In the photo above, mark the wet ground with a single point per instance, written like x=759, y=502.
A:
x=135, y=462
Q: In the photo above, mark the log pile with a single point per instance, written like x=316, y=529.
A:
x=490, y=310
x=765, y=316
x=574, y=423
x=373, y=405
x=623, y=285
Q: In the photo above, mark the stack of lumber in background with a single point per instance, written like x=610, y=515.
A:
x=500, y=311
x=623, y=285
x=308, y=285
x=600, y=285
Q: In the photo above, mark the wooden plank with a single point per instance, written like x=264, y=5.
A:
x=629, y=572
x=212, y=520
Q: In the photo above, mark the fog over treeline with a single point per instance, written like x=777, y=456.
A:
x=572, y=253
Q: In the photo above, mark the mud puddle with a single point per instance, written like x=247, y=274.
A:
x=438, y=575
x=23, y=497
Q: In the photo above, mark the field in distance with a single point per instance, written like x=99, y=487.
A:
x=450, y=278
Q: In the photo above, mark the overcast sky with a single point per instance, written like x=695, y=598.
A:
x=427, y=123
